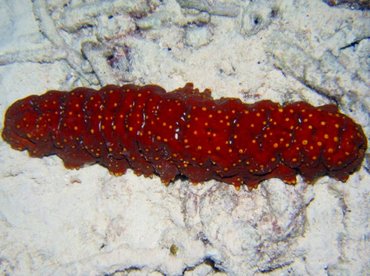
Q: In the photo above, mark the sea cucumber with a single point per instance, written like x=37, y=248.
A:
x=187, y=133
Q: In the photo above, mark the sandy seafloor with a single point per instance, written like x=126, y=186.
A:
x=55, y=221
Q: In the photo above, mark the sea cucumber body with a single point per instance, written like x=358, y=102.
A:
x=187, y=133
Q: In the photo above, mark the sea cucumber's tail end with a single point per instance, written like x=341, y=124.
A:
x=358, y=145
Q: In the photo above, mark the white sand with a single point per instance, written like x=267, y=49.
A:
x=55, y=221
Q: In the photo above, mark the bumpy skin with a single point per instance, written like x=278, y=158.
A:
x=187, y=133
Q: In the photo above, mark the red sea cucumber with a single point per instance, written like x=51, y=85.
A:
x=187, y=133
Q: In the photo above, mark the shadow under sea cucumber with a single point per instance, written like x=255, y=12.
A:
x=186, y=132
